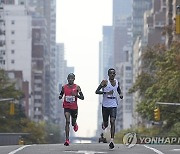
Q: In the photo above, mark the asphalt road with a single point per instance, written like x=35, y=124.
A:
x=89, y=148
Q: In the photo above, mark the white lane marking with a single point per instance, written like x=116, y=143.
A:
x=155, y=150
x=89, y=152
x=86, y=152
x=13, y=152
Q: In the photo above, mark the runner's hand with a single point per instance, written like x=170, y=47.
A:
x=60, y=96
x=121, y=96
x=110, y=92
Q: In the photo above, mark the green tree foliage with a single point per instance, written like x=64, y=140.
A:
x=7, y=88
x=159, y=82
x=53, y=133
x=37, y=133
x=175, y=130
x=140, y=131
x=17, y=123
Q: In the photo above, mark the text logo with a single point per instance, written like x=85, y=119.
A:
x=130, y=139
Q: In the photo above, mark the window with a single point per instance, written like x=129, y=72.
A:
x=128, y=81
x=12, y=22
x=2, y=62
x=128, y=68
x=12, y=41
x=2, y=52
x=12, y=51
x=128, y=74
x=12, y=32
x=128, y=107
x=128, y=100
x=12, y=61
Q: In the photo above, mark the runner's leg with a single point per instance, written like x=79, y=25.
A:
x=74, y=114
x=112, y=122
x=113, y=112
x=67, y=117
x=105, y=115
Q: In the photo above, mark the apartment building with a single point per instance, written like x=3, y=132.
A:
x=15, y=41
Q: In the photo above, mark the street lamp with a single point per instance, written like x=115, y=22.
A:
x=6, y=99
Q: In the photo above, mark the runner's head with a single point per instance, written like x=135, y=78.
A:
x=71, y=78
x=111, y=73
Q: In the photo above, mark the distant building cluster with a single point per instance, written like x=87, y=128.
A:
x=136, y=24
x=31, y=57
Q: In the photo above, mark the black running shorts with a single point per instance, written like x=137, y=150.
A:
x=108, y=111
x=73, y=112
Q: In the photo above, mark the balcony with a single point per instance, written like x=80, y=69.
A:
x=159, y=24
x=2, y=32
x=1, y=20
x=2, y=52
x=37, y=97
x=38, y=89
x=39, y=105
x=37, y=113
x=2, y=62
x=2, y=43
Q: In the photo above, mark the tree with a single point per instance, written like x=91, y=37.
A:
x=17, y=123
x=159, y=82
x=37, y=133
x=53, y=133
x=8, y=90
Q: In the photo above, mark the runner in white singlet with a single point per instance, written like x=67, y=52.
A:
x=110, y=89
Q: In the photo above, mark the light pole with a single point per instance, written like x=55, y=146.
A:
x=6, y=99
x=167, y=103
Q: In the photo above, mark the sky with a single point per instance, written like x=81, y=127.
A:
x=79, y=27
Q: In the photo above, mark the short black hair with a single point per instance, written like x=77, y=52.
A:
x=111, y=69
x=71, y=74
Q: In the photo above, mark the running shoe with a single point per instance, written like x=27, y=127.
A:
x=66, y=143
x=103, y=127
x=111, y=145
x=76, y=127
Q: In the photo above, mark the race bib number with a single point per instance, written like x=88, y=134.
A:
x=70, y=99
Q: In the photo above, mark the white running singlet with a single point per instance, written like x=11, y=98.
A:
x=110, y=100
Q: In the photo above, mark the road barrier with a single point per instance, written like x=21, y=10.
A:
x=12, y=138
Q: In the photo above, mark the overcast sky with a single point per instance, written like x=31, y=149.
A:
x=79, y=27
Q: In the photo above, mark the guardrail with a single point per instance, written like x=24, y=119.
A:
x=11, y=138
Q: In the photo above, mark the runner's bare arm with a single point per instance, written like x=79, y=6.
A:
x=119, y=91
x=80, y=96
x=61, y=93
x=102, y=84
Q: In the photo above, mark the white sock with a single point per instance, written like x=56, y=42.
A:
x=112, y=140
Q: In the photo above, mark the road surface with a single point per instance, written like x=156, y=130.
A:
x=89, y=148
